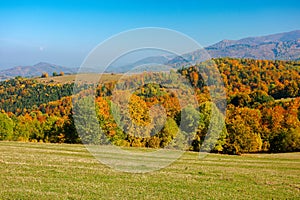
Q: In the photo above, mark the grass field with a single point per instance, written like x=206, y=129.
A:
x=61, y=171
x=92, y=77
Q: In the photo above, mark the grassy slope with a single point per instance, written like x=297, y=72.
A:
x=61, y=171
x=93, y=77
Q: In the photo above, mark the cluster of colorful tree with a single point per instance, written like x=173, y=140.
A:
x=263, y=104
x=22, y=95
x=263, y=109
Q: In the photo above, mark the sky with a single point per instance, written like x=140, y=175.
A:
x=63, y=32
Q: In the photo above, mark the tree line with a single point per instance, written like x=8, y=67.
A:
x=262, y=115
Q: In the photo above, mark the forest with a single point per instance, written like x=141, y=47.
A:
x=262, y=101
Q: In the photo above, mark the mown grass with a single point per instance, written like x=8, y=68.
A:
x=62, y=171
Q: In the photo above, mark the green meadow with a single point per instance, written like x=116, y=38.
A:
x=64, y=171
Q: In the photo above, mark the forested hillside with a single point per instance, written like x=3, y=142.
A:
x=20, y=94
x=263, y=109
x=263, y=103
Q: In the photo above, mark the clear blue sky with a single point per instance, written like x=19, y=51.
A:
x=64, y=31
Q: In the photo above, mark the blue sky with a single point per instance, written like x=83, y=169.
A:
x=63, y=32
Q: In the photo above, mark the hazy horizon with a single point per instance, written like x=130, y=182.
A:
x=64, y=32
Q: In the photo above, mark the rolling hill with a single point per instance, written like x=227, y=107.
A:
x=39, y=68
x=34, y=70
x=143, y=65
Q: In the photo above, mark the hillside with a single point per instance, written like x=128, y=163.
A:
x=152, y=63
x=253, y=41
x=91, y=77
x=34, y=70
x=257, y=119
x=281, y=46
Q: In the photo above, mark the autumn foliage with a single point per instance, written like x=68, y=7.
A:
x=262, y=115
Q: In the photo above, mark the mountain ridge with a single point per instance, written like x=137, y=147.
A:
x=277, y=37
x=279, y=46
x=34, y=70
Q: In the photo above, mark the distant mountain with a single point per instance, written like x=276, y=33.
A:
x=35, y=70
x=145, y=64
x=282, y=46
x=253, y=41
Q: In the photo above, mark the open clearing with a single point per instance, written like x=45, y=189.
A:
x=62, y=171
x=92, y=78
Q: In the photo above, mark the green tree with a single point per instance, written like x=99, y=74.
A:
x=6, y=127
x=169, y=132
x=260, y=97
x=285, y=140
x=241, y=100
x=211, y=132
x=86, y=121
x=291, y=89
x=189, y=120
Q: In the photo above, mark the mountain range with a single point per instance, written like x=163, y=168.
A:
x=34, y=70
x=281, y=46
x=151, y=63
